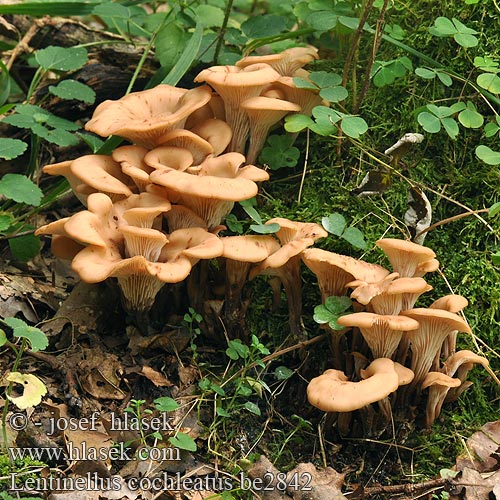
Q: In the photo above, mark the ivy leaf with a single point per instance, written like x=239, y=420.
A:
x=355, y=237
x=183, y=441
x=11, y=148
x=71, y=89
x=487, y=155
x=334, y=223
x=61, y=58
x=19, y=188
x=37, y=339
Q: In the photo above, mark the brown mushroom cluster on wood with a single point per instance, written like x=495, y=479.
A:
x=387, y=326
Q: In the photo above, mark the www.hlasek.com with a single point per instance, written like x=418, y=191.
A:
x=166, y=482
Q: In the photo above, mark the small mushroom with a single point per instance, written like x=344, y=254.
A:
x=381, y=333
x=286, y=62
x=263, y=113
x=439, y=384
x=405, y=256
x=131, y=160
x=169, y=157
x=146, y=116
x=235, y=85
x=333, y=392
x=216, y=132
x=198, y=147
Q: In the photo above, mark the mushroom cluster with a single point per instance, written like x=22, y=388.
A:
x=388, y=342
x=155, y=206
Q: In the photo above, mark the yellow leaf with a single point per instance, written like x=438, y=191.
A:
x=34, y=389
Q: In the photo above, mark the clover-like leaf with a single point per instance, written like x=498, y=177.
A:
x=355, y=237
x=353, y=126
x=279, y=152
x=297, y=122
x=331, y=310
x=19, y=188
x=33, y=390
x=334, y=223
x=487, y=155
x=470, y=118
x=489, y=81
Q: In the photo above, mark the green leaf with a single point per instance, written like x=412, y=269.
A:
x=61, y=58
x=6, y=220
x=495, y=258
x=64, y=8
x=470, y=118
x=279, y=152
x=330, y=311
x=183, y=441
x=265, y=228
x=322, y=20
x=3, y=338
x=491, y=129
x=166, y=403
x=425, y=73
x=302, y=83
x=297, y=122
x=221, y=412
x=444, y=78
x=251, y=212
x=11, y=148
x=489, y=81
x=466, y=41
x=283, y=373
x=19, y=188
x=451, y=127
x=429, y=122
x=487, y=155
x=187, y=57
x=494, y=209
x=443, y=27
x=486, y=63
x=237, y=350
x=334, y=94
x=252, y=408
x=169, y=44
x=71, y=89
x=334, y=223
x=324, y=79
x=234, y=224
x=4, y=83
x=24, y=247
x=93, y=142
x=355, y=237
x=210, y=15
x=353, y=126
x=264, y=25
x=37, y=339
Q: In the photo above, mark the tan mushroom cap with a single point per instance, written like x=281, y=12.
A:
x=334, y=271
x=285, y=62
x=381, y=333
x=405, y=256
x=180, y=217
x=143, y=117
x=453, y=363
x=439, y=384
x=333, y=392
x=452, y=303
x=429, y=266
x=64, y=168
x=434, y=326
x=235, y=85
x=169, y=157
x=143, y=241
x=216, y=132
x=248, y=248
x=263, y=113
x=131, y=160
x=438, y=378
x=199, y=147
x=405, y=374
x=144, y=209
x=391, y=295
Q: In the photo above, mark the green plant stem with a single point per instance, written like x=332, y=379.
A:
x=222, y=32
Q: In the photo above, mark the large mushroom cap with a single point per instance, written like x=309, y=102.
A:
x=143, y=117
x=333, y=392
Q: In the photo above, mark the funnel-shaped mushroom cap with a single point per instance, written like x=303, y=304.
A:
x=248, y=248
x=169, y=157
x=452, y=303
x=381, y=333
x=144, y=208
x=64, y=168
x=217, y=132
x=389, y=296
x=405, y=256
x=307, y=99
x=434, y=326
x=405, y=374
x=143, y=241
x=235, y=85
x=438, y=378
x=286, y=62
x=334, y=271
x=333, y=392
x=143, y=117
x=428, y=266
x=131, y=160
x=62, y=245
x=439, y=384
x=199, y=147
x=263, y=113
x=453, y=363
x=230, y=165
x=179, y=217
